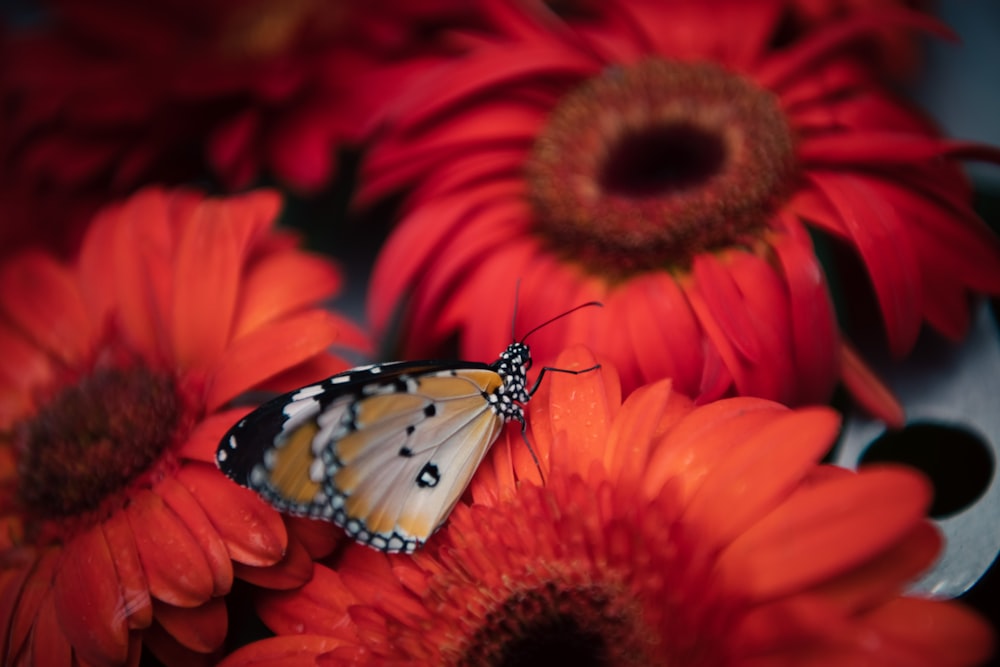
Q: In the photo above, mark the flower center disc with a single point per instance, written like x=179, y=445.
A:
x=556, y=624
x=92, y=439
x=646, y=166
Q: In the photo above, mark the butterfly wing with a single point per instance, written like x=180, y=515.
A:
x=384, y=451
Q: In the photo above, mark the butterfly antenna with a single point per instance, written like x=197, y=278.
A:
x=513, y=320
x=560, y=316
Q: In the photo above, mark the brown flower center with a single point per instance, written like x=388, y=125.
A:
x=92, y=439
x=562, y=624
x=646, y=166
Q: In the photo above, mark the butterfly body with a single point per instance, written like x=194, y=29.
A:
x=383, y=451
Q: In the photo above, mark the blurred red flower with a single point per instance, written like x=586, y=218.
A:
x=668, y=159
x=118, y=529
x=106, y=96
x=666, y=534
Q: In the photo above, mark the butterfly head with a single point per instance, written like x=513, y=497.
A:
x=512, y=367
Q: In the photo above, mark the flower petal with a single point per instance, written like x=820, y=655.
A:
x=88, y=600
x=206, y=436
x=293, y=570
x=41, y=297
x=700, y=439
x=281, y=284
x=287, y=651
x=172, y=559
x=190, y=511
x=751, y=480
x=269, y=350
x=825, y=530
x=201, y=628
x=134, y=585
x=48, y=643
x=252, y=530
x=207, y=271
x=868, y=390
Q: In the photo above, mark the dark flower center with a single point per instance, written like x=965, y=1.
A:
x=560, y=624
x=646, y=166
x=92, y=439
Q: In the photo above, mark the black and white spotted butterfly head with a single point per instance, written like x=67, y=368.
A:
x=512, y=366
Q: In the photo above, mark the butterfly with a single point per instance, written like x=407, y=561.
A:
x=384, y=451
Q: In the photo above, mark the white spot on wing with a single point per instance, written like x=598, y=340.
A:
x=307, y=392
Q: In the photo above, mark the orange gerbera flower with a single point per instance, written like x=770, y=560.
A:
x=668, y=159
x=666, y=535
x=118, y=530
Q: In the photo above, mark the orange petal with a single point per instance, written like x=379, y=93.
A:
x=320, y=607
x=281, y=284
x=41, y=297
x=207, y=269
x=143, y=245
x=190, y=511
x=944, y=633
x=201, y=629
x=88, y=600
x=131, y=577
x=49, y=645
x=694, y=445
x=754, y=477
x=289, y=651
x=293, y=570
x=22, y=590
x=204, y=440
x=270, y=350
x=583, y=406
x=172, y=559
x=640, y=423
x=252, y=531
x=23, y=365
x=825, y=530
x=885, y=575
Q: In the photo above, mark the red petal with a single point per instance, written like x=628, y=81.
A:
x=290, y=651
x=22, y=591
x=293, y=570
x=824, y=531
x=205, y=439
x=131, y=577
x=726, y=304
x=270, y=350
x=868, y=390
x=320, y=606
x=815, y=337
x=798, y=59
x=41, y=297
x=88, y=600
x=49, y=645
x=201, y=629
x=879, y=235
x=752, y=479
x=869, y=149
x=252, y=531
x=281, y=284
x=187, y=507
x=173, y=561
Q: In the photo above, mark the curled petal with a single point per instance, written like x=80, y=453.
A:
x=252, y=531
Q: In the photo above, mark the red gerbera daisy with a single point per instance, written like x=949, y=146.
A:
x=668, y=159
x=118, y=528
x=106, y=96
x=666, y=535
